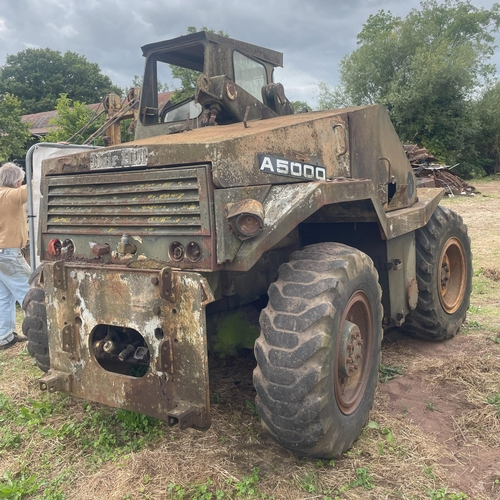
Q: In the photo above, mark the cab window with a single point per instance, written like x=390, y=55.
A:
x=249, y=74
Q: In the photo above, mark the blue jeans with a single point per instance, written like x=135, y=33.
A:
x=14, y=275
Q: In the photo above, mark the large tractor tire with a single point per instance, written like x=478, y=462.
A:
x=319, y=350
x=444, y=276
x=35, y=322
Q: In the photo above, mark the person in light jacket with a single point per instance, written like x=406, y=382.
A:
x=14, y=270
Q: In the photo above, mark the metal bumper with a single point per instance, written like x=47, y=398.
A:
x=166, y=307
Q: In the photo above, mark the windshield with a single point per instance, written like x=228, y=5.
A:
x=249, y=74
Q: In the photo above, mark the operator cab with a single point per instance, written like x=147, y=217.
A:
x=235, y=83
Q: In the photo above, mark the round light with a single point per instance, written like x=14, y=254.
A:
x=54, y=247
x=193, y=252
x=249, y=225
x=176, y=251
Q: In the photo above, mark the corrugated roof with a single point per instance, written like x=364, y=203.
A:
x=40, y=122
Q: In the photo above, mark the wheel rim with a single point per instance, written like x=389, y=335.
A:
x=452, y=275
x=354, y=352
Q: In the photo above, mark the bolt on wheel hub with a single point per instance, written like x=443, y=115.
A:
x=350, y=350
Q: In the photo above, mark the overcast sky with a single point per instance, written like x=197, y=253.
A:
x=312, y=34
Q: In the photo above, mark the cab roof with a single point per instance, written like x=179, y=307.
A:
x=188, y=51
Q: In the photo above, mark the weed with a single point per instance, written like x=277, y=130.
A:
x=432, y=407
x=428, y=471
x=18, y=486
x=247, y=486
x=363, y=479
x=386, y=431
x=387, y=372
x=474, y=309
x=215, y=398
x=442, y=494
x=406, y=410
x=308, y=483
x=495, y=339
x=495, y=401
x=195, y=492
x=252, y=408
x=324, y=463
x=473, y=325
x=481, y=285
x=9, y=439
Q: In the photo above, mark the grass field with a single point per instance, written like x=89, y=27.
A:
x=434, y=431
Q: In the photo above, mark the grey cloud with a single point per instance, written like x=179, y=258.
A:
x=313, y=35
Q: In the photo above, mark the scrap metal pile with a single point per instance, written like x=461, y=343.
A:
x=433, y=174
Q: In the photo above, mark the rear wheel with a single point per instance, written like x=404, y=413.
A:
x=319, y=350
x=35, y=322
x=444, y=275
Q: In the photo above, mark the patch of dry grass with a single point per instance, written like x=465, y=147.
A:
x=395, y=457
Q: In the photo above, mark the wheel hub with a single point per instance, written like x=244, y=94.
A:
x=350, y=351
x=452, y=275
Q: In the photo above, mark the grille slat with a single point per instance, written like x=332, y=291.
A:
x=150, y=202
x=95, y=189
x=110, y=200
x=177, y=209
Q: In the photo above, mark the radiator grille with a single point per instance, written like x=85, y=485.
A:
x=149, y=202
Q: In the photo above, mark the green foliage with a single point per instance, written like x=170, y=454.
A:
x=13, y=131
x=426, y=69
x=332, y=98
x=137, y=82
x=309, y=483
x=252, y=408
x=495, y=401
x=104, y=434
x=23, y=484
x=16, y=487
x=196, y=492
x=363, y=479
x=488, y=139
x=39, y=76
x=386, y=372
x=236, y=330
x=72, y=122
x=188, y=77
x=442, y=494
x=110, y=434
x=247, y=487
x=432, y=406
x=428, y=471
x=300, y=106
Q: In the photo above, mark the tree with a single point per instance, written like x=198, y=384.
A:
x=39, y=76
x=301, y=106
x=72, y=122
x=137, y=82
x=425, y=69
x=188, y=77
x=13, y=131
x=487, y=114
x=332, y=97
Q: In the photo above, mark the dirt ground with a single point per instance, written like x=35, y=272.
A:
x=434, y=430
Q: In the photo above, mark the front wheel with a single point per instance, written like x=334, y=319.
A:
x=35, y=322
x=319, y=350
x=444, y=275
